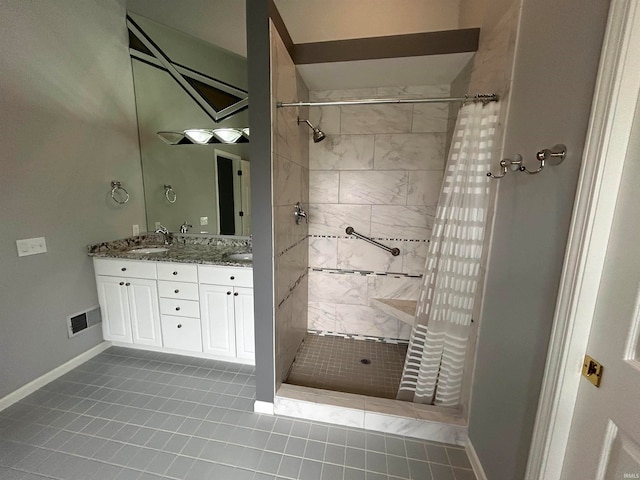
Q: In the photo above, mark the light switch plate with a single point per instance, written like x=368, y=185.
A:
x=31, y=246
x=136, y=230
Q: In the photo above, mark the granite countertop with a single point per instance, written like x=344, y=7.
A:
x=211, y=250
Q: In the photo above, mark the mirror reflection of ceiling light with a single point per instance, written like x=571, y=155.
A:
x=227, y=135
x=173, y=138
x=205, y=136
x=199, y=135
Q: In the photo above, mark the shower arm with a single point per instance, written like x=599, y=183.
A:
x=393, y=251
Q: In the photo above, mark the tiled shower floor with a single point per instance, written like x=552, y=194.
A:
x=336, y=363
x=134, y=415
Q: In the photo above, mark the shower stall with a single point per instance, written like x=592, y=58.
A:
x=384, y=163
x=375, y=171
x=344, y=307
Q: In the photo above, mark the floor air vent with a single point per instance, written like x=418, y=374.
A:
x=83, y=320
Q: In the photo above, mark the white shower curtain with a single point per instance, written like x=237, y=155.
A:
x=435, y=360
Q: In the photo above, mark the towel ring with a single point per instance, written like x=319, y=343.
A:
x=170, y=194
x=115, y=187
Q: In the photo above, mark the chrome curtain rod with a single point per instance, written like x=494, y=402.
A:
x=480, y=97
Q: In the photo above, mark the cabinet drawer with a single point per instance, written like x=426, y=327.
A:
x=181, y=308
x=212, y=274
x=178, y=272
x=181, y=333
x=124, y=268
x=185, y=291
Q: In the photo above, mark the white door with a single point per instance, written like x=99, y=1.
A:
x=144, y=311
x=218, y=330
x=604, y=441
x=114, y=306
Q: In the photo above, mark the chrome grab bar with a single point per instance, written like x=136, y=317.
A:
x=393, y=251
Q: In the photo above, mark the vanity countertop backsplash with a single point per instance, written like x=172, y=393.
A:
x=183, y=249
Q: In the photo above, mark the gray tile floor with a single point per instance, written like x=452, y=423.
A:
x=129, y=414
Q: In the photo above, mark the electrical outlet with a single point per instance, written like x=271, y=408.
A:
x=157, y=225
x=136, y=230
x=31, y=246
x=204, y=220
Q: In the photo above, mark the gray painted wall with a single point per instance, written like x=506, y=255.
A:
x=555, y=68
x=258, y=63
x=67, y=129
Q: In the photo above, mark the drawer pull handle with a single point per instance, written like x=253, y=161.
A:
x=228, y=293
x=177, y=309
x=179, y=325
x=121, y=283
x=232, y=277
x=124, y=269
x=127, y=284
x=235, y=294
x=175, y=273
x=176, y=291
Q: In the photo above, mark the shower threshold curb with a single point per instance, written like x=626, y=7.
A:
x=425, y=422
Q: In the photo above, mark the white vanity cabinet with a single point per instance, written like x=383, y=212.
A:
x=128, y=297
x=226, y=304
x=201, y=310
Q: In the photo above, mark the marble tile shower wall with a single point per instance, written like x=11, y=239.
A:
x=290, y=170
x=379, y=170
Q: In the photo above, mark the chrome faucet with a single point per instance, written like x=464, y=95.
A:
x=300, y=213
x=166, y=235
x=184, y=228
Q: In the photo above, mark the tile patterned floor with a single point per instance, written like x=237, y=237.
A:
x=334, y=363
x=134, y=415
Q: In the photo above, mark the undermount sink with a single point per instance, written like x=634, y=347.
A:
x=247, y=257
x=147, y=250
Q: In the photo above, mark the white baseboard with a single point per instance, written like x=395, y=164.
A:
x=475, y=461
x=50, y=376
x=263, y=407
x=185, y=353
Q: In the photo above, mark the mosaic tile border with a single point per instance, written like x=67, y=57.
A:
x=384, y=239
x=292, y=246
x=364, y=273
x=291, y=290
x=353, y=336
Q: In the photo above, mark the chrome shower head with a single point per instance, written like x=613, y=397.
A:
x=318, y=135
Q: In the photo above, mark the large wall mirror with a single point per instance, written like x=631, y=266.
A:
x=204, y=186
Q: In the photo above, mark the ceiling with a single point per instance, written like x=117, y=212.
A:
x=222, y=22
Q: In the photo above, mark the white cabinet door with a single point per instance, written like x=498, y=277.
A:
x=144, y=312
x=218, y=330
x=114, y=303
x=245, y=342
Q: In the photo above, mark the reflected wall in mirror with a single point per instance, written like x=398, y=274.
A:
x=211, y=184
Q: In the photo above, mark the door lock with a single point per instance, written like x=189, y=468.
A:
x=592, y=370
